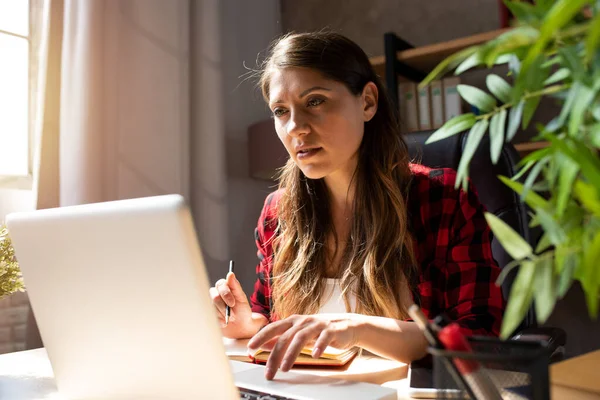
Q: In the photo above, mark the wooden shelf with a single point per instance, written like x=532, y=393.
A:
x=528, y=147
x=426, y=58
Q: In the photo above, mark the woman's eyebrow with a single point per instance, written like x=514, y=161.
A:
x=307, y=91
x=312, y=89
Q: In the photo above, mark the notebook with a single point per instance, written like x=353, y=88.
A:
x=237, y=350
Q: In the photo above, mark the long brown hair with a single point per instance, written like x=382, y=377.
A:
x=378, y=260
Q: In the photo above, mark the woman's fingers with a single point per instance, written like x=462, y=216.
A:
x=235, y=288
x=280, y=349
x=225, y=292
x=269, y=332
x=325, y=338
x=217, y=301
x=301, y=339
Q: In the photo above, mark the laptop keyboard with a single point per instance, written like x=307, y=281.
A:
x=248, y=394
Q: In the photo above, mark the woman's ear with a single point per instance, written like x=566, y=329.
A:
x=370, y=97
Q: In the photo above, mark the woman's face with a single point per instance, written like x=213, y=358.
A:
x=320, y=122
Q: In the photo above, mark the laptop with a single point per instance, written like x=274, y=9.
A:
x=120, y=294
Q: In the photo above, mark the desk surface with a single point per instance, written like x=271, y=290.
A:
x=28, y=374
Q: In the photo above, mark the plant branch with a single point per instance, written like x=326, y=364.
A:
x=542, y=92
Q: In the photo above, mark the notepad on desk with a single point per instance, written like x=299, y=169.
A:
x=237, y=350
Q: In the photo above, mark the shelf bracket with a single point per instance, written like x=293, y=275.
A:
x=393, y=67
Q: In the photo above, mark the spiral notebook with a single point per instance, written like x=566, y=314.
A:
x=237, y=350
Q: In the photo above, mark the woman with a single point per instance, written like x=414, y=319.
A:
x=355, y=234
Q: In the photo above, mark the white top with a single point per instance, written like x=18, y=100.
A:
x=334, y=302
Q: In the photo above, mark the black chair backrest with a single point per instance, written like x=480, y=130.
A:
x=498, y=198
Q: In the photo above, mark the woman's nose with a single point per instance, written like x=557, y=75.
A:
x=297, y=124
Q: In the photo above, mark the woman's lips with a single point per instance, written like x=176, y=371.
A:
x=308, y=153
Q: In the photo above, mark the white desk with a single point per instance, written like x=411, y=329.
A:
x=28, y=375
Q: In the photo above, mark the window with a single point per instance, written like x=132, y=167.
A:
x=17, y=84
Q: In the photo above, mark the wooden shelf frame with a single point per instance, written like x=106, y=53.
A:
x=402, y=61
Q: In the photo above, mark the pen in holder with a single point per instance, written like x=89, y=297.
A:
x=516, y=369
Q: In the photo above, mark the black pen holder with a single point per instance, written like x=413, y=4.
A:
x=509, y=368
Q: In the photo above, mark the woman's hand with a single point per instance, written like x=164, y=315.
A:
x=286, y=338
x=243, y=323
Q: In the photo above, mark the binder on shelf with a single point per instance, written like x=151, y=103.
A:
x=452, y=101
x=425, y=109
x=437, y=104
x=409, y=110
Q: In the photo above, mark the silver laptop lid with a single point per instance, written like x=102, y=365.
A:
x=120, y=295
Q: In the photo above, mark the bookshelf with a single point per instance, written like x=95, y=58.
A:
x=404, y=62
x=425, y=58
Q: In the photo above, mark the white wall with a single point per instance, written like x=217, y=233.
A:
x=248, y=27
x=225, y=200
x=147, y=107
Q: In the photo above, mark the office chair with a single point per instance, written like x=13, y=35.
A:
x=498, y=199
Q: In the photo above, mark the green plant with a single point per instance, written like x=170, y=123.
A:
x=10, y=274
x=552, y=51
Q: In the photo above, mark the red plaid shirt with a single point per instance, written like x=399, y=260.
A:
x=452, y=246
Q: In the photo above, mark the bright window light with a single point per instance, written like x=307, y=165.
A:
x=14, y=87
x=14, y=16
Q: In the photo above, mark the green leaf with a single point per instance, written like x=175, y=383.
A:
x=499, y=87
x=584, y=98
x=519, y=300
x=591, y=283
x=561, y=13
x=477, y=97
x=588, y=162
x=551, y=61
x=512, y=242
x=456, y=125
x=571, y=60
x=473, y=139
x=472, y=61
x=514, y=120
x=566, y=176
x=595, y=135
x=497, y=128
x=568, y=105
x=513, y=42
x=558, y=76
x=544, y=289
x=531, y=178
x=543, y=244
x=587, y=196
x=531, y=80
x=532, y=199
x=536, y=156
x=596, y=111
x=506, y=270
x=448, y=64
x=504, y=59
x=531, y=106
x=555, y=232
x=524, y=168
x=566, y=270
x=593, y=39
x=524, y=12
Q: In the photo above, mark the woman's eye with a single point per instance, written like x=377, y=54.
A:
x=278, y=112
x=315, y=102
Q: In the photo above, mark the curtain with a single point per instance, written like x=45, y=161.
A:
x=67, y=165
x=112, y=118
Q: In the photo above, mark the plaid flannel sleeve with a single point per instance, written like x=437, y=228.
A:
x=471, y=295
x=263, y=235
